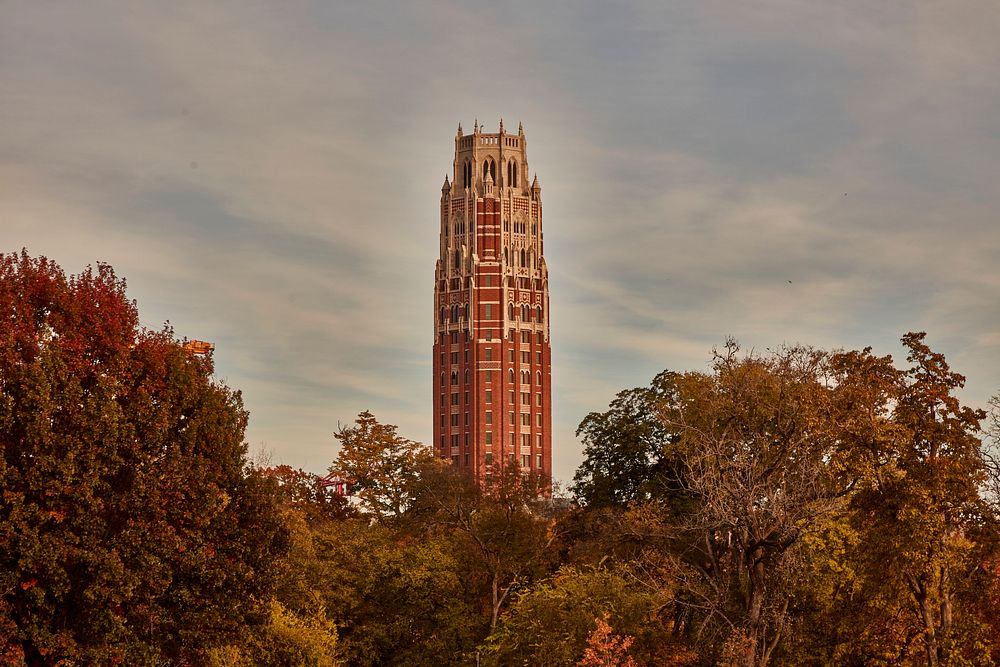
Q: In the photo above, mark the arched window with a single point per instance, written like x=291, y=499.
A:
x=512, y=173
x=524, y=312
x=458, y=257
x=441, y=318
x=523, y=262
x=510, y=311
x=510, y=375
x=467, y=174
x=538, y=378
x=442, y=381
x=454, y=313
x=454, y=377
x=525, y=377
x=467, y=311
x=466, y=376
x=538, y=314
x=506, y=260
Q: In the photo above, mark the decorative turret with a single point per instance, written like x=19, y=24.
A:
x=446, y=188
x=488, y=184
x=536, y=189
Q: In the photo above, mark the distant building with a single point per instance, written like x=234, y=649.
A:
x=492, y=353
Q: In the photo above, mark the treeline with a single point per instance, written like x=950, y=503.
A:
x=789, y=507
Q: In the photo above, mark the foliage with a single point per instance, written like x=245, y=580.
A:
x=625, y=448
x=305, y=491
x=550, y=623
x=506, y=536
x=604, y=649
x=754, y=440
x=379, y=465
x=130, y=531
x=287, y=640
x=825, y=508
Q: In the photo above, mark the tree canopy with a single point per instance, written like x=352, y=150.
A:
x=130, y=531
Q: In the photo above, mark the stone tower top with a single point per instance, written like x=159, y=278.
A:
x=502, y=156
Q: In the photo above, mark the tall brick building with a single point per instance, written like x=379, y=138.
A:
x=492, y=355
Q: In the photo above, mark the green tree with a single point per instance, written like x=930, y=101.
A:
x=550, y=623
x=380, y=466
x=626, y=447
x=130, y=530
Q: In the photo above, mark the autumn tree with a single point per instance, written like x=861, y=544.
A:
x=380, y=466
x=756, y=436
x=918, y=507
x=130, y=531
x=606, y=649
x=503, y=531
x=551, y=622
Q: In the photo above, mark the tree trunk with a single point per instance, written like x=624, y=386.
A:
x=920, y=596
x=496, y=603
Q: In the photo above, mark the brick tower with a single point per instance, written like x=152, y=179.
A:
x=492, y=357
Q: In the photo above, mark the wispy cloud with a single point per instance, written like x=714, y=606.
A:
x=267, y=178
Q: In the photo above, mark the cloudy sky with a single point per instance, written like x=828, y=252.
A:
x=266, y=176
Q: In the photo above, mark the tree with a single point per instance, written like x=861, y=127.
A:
x=755, y=440
x=550, y=622
x=130, y=530
x=503, y=532
x=625, y=448
x=605, y=649
x=918, y=505
x=380, y=466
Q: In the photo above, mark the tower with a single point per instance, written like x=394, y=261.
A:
x=492, y=355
